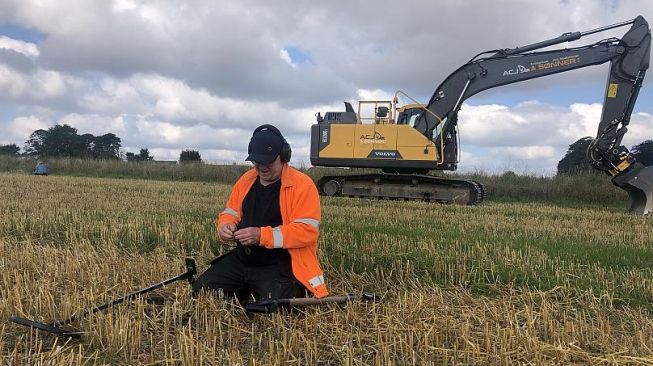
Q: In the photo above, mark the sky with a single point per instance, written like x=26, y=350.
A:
x=169, y=75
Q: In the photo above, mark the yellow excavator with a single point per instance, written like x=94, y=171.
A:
x=408, y=141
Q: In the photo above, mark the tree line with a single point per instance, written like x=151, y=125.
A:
x=64, y=141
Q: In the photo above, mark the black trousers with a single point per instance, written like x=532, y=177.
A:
x=230, y=275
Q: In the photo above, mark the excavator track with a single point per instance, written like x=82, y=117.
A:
x=407, y=187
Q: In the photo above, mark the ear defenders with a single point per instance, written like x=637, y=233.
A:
x=285, y=153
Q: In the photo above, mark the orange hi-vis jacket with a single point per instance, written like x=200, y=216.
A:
x=300, y=213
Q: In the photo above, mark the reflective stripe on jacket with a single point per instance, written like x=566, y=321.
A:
x=300, y=212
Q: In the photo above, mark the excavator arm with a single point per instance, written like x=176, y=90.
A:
x=629, y=58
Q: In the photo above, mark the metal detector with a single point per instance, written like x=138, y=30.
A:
x=267, y=306
x=56, y=327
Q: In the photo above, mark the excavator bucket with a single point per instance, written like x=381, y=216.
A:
x=638, y=182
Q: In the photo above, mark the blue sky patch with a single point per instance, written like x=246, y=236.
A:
x=7, y=112
x=15, y=31
x=298, y=56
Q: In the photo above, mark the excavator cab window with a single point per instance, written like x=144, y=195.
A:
x=413, y=118
x=409, y=116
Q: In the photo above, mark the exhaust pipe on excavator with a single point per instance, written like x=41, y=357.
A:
x=638, y=182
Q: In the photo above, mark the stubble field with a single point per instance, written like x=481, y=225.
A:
x=501, y=283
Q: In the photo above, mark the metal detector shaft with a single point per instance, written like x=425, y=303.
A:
x=191, y=270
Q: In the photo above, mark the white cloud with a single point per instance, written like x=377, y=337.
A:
x=228, y=46
x=640, y=129
x=528, y=124
x=124, y=5
x=374, y=94
x=112, y=96
x=38, y=85
x=533, y=137
x=175, y=102
x=26, y=48
x=95, y=124
x=18, y=130
x=526, y=153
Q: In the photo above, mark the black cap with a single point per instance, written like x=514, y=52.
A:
x=264, y=147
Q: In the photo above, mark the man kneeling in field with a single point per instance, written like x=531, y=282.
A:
x=273, y=215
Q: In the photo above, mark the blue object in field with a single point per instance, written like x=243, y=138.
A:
x=41, y=169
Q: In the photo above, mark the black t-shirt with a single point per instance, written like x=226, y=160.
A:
x=261, y=208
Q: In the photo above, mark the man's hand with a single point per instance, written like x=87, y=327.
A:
x=248, y=236
x=226, y=231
